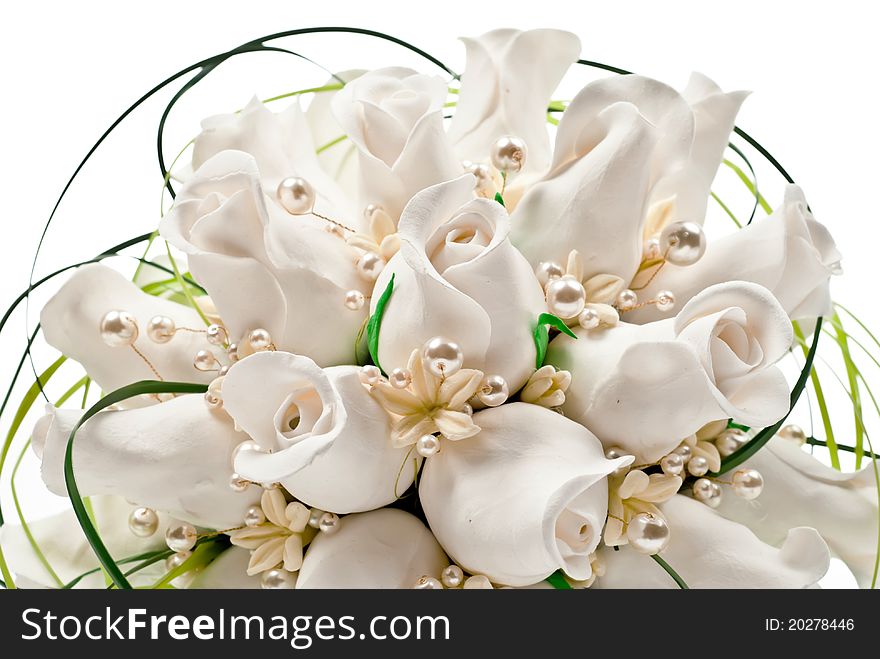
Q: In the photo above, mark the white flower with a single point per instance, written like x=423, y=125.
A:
x=644, y=387
x=381, y=238
x=789, y=252
x=632, y=493
x=521, y=499
x=317, y=432
x=174, y=457
x=71, y=322
x=546, y=387
x=262, y=266
x=394, y=116
x=708, y=551
x=505, y=90
x=801, y=491
x=385, y=548
x=279, y=540
x=227, y=571
x=457, y=276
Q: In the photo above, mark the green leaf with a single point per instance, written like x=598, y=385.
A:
x=542, y=335
x=672, y=573
x=79, y=507
x=202, y=555
x=557, y=580
x=375, y=322
x=361, y=347
x=499, y=198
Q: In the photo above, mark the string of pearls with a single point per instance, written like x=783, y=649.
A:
x=453, y=578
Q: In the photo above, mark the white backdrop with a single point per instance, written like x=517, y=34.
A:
x=70, y=68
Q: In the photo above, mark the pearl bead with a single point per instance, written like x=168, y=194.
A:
x=277, y=579
x=484, y=184
x=683, y=243
x=715, y=500
x=216, y=334
x=672, y=464
x=478, y=582
x=698, y=466
x=315, y=515
x=428, y=583
x=665, y=301
x=427, y=445
x=176, y=560
x=547, y=271
x=729, y=441
x=615, y=452
x=205, y=361
x=369, y=265
x=442, y=356
x=369, y=375
x=566, y=297
x=452, y=576
x=703, y=489
x=684, y=451
x=627, y=299
x=254, y=516
x=296, y=195
x=329, y=523
x=400, y=378
x=161, y=329
x=370, y=210
x=748, y=483
x=143, y=522
x=508, y=154
x=223, y=371
x=651, y=250
x=181, y=537
x=334, y=230
x=467, y=409
x=588, y=319
x=232, y=352
x=648, y=533
x=493, y=390
x=238, y=484
x=119, y=328
x=259, y=339
x=793, y=433
x=354, y=300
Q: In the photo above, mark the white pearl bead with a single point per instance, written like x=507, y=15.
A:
x=627, y=299
x=715, y=500
x=259, y=339
x=143, y=522
x=354, y=300
x=176, y=560
x=427, y=445
x=232, y=352
x=702, y=489
x=238, y=484
x=748, y=483
x=296, y=195
x=683, y=243
x=547, y=271
x=478, y=582
x=329, y=523
x=647, y=533
x=665, y=301
x=400, y=378
x=119, y=328
x=467, y=409
x=452, y=576
x=729, y=441
x=651, y=249
x=483, y=185
x=684, y=451
x=205, y=361
x=493, y=390
x=442, y=356
x=698, y=466
x=793, y=433
x=334, y=230
x=277, y=579
x=672, y=464
x=508, y=154
x=369, y=265
x=588, y=319
x=566, y=297
x=428, y=583
x=616, y=452
x=181, y=537
x=160, y=329
x=369, y=375
x=254, y=516
x=216, y=335
x=315, y=515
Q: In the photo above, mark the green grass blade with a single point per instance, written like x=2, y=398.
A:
x=327, y=145
x=749, y=184
x=672, y=573
x=557, y=580
x=201, y=556
x=841, y=340
x=726, y=210
x=820, y=401
x=311, y=90
x=189, y=298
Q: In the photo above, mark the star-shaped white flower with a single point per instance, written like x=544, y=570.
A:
x=633, y=493
x=546, y=387
x=278, y=540
x=382, y=238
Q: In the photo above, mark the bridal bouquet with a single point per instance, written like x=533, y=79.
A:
x=453, y=332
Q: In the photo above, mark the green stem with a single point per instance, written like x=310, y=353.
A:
x=672, y=573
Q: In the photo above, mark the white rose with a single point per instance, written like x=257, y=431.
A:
x=262, y=266
x=523, y=498
x=646, y=387
x=458, y=276
x=385, y=548
x=395, y=118
x=175, y=457
x=505, y=90
x=319, y=433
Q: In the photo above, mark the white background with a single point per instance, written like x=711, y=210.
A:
x=68, y=69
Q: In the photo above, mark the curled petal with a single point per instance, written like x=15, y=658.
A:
x=455, y=425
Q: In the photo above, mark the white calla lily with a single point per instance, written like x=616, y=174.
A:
x=314, y=427
x=385, y=548
x=645, y=387
x=227, y=571
x=175, y=457
x=458, y=276
x=523, y=498
x=708, y=551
